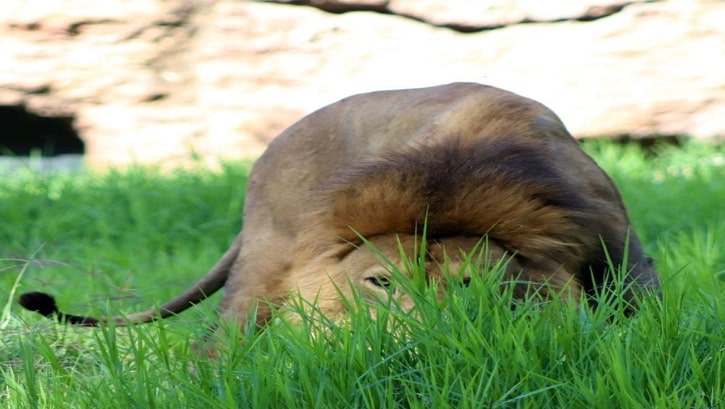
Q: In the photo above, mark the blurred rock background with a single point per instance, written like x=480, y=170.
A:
x=168, y=81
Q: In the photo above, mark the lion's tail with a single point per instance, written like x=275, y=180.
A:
x=45, y=304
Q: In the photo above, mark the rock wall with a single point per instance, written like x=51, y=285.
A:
x=168, y=81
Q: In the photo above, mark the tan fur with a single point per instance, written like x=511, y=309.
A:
x=464, y=159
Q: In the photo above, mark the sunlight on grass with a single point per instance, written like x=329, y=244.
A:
x=121, y=241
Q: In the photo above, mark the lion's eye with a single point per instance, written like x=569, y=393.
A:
x=380, y=281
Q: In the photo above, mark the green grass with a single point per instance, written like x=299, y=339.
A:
x=122, y=241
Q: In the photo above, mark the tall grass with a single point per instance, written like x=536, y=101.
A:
x=123, y=241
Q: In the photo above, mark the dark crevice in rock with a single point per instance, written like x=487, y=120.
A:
x=77, y=27
x=335, y=7
x=179, y=18
x=464, y=28
x=30, y=89
x=23, y=133
x=594, y=13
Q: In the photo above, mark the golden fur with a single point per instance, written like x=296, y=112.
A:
x=464, y=159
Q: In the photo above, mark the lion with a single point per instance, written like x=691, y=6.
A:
x=464, y=162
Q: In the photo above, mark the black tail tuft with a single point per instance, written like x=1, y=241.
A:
x=45, y=305
x=39, y=302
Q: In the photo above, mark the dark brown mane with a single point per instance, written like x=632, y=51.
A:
x=505, y=188
x=508, y=189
